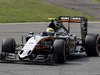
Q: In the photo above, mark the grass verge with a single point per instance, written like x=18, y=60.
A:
x=96, y=0
x=33, y=11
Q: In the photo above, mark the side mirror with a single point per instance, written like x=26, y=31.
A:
x=31, y=33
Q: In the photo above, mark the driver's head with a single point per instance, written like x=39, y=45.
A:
x=50, y=31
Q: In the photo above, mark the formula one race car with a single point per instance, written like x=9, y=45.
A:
x=57, y=47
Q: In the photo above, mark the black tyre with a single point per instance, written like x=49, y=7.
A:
x=8, y=45
x=3, y=55
x=92, y=45
x=59, y=50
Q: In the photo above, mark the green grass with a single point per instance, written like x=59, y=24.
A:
x=96, y=0
x=33, y=11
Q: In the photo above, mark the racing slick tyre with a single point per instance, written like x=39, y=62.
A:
x=8, y=45
x=2, y=55
x=92, y=44
x=59, y=50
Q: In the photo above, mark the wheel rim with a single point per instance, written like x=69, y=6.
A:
x=98, y=45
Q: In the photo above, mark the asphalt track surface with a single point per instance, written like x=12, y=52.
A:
x=88, y=7
x=78, y=64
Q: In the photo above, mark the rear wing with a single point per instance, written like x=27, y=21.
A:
x=70, y=19
x=81, y=20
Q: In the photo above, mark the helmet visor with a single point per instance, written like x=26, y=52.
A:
x=49, y=33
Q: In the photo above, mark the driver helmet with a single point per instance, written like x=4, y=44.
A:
x=50, y=31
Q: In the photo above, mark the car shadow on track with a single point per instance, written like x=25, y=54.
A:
x=71, y=60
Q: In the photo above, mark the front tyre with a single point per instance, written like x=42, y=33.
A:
x=8, y=45
x=59, y=50
x=92, y=44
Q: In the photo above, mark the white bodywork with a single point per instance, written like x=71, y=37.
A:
x=30, y=45
x=33, y=41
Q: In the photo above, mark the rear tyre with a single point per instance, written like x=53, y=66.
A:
x=92, y=45
x=59, y=51
x=8, y=45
